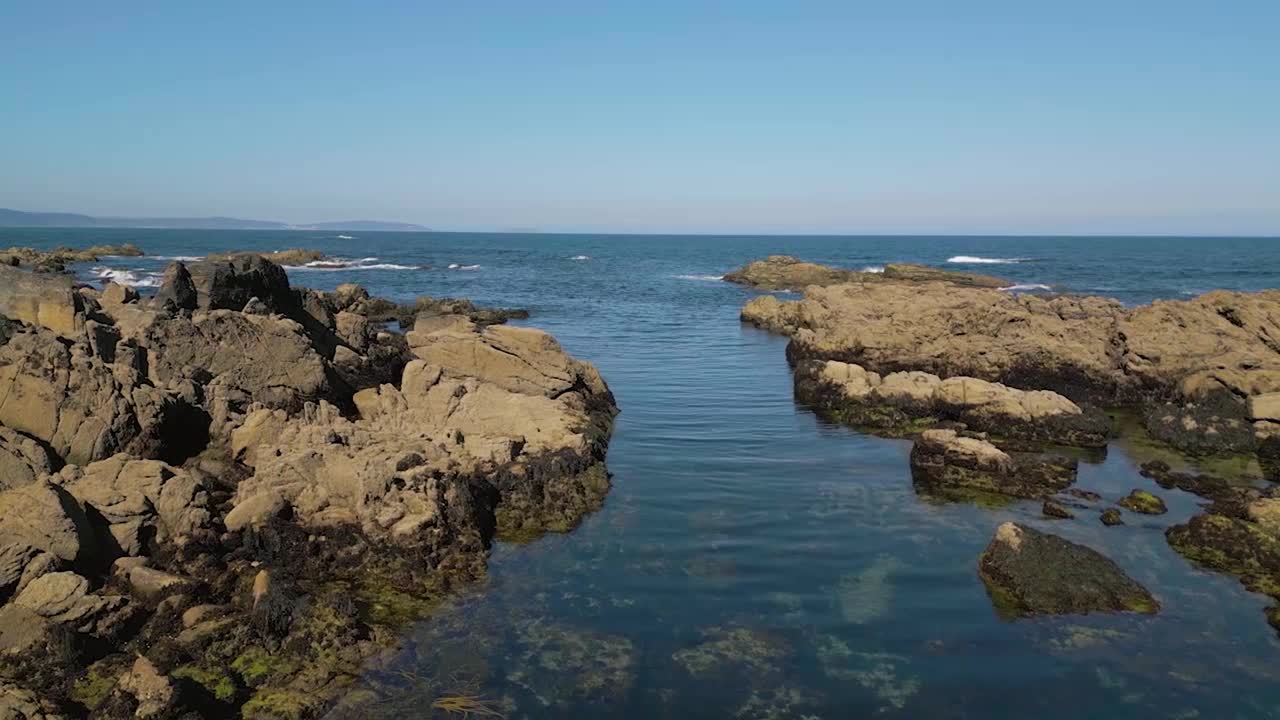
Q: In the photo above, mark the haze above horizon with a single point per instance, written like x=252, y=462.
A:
x=744, y=117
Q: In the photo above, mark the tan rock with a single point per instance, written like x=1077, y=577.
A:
x=43, y=299
x=22, y=459
x=1265, y=407
x=154, y=693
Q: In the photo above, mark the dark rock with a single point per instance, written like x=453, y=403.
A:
x=1055, y=509
x=1141, y=501
x=1111, y=516
x=178, y=288
x=1028, y=572
x=1086, y=495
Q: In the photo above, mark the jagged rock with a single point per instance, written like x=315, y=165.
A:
x=1028, y=572
x=78, y=404
x=1141, y=501
x=229, y=284
x=905, y=402
x=177, y=287
x=951, y=464
x=526, y=416
x=1111, y=517
x=151, y=584
x=22, y=459
x=136, y=502
x=269, y=359
x=49, y=301
x=17, y=703
x=1210, y=426
x=63, y=598
x=290, y=257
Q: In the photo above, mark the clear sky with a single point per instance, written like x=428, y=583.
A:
x=820, y=117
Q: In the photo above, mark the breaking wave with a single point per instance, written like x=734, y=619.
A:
x=1027, y=287
x=365, y=263
x=977, y=260
x=132, y=278
x=705, y=278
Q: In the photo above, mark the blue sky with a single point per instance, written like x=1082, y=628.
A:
x=815, y=117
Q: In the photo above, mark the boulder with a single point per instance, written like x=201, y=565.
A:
x=1028, y=572
x=230, y=283
x=80, y=406
x=137, y=502
x=1111, y=517
x=268, y=358
x=1055, y=509
x=153, y=692
x=1141, y=501
x=40, y=518
x=63, y=598
x=22, y=459
x=49, y=301
x=952, y=465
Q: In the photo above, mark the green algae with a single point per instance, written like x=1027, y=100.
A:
x=214, y=679
x=1141, y=501
x=780, y=703
x=1134, y=439
x=92, y=688
x=733, y=649
x=880, y=673
x=284, y=704
x=866, y=596
x=572, y=664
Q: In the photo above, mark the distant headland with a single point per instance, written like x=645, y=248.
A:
x=19, y=218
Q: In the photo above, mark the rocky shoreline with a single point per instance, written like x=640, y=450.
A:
x=984, y=379
x=220, y=500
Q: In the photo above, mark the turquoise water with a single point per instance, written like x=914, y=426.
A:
x=752, y=561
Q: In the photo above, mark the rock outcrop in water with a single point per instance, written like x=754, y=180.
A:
x=1028, y=572
x=783, y=272
x=216, y=500
x=1206, y=370
x=56, y=260
x=947, y=464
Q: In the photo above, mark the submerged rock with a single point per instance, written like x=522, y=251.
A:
x=946, y=461
x=1028, y=572
x=1054, y=509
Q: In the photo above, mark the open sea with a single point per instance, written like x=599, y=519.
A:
x=753, y=561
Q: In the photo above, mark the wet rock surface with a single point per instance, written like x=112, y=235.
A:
x=950, y=464
x=218, y=500
x=783, y=272
x=1029, y=572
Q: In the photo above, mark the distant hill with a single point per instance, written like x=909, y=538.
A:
x=18, y=218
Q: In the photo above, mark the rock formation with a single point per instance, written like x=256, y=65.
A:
x=226, y=489
x=783, y=272
x=56, y=260
x=948, y=464
x=1028, y=572
x=1206, y=370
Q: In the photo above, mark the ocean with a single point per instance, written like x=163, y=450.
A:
x=753, y=561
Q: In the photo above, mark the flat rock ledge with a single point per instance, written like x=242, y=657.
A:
x=783, y=272
x=904, y=403
x=224, y=498
x=1028, y=572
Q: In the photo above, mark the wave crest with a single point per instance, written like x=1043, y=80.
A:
x=978, y=260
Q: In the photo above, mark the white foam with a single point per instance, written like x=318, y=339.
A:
x=179, y=258
x=365, y=263
x=1027, y=287
x=976, y=260
x=699, y=277
x=345, y=237
x=873, y=269
x=132, y=278
x=580, y=257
